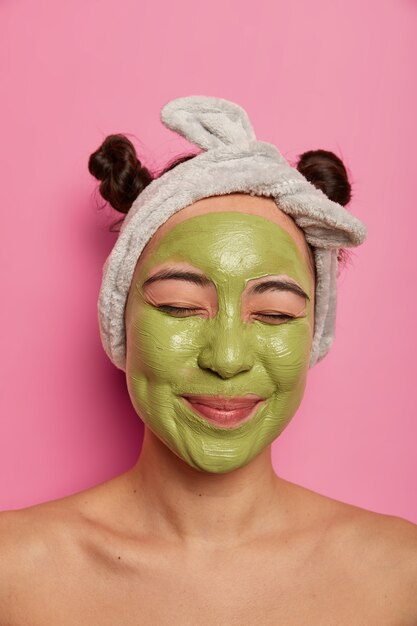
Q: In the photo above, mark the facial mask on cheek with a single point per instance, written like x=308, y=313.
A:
x=221, y=354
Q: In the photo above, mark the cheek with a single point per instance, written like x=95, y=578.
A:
x=285, y=353
x=161, y=347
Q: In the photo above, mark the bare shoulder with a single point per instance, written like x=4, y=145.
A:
x=385, y=548
x=388, y=535
x=386, y=540
x=36, y=529
x=36, y=543
x=389, y=543
x=373, y=550
x=29, y=535
x=21, y=538
x=380, y=550
x=23, y=552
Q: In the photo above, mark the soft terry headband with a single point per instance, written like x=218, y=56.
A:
x=232, y=161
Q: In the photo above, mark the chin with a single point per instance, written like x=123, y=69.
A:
x=219, y=463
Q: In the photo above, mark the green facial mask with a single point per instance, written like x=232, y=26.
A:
x=221, y=354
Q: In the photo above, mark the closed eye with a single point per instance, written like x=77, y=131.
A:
x=276, y=317
x=182, y=311
x=176, y=309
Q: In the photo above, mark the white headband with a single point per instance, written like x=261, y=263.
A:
x=232, y=161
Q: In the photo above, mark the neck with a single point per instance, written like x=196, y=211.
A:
x=196, y=506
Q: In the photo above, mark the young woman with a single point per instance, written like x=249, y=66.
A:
x=219, y=323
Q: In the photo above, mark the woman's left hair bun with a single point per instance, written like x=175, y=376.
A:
x=122, y=175
x=326, y=171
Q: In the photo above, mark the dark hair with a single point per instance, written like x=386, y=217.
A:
x=123, y=177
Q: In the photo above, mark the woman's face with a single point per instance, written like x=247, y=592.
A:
x=239, y=323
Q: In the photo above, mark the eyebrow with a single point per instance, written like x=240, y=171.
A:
x=278, y=284
x=187, y=276
x=274, y=284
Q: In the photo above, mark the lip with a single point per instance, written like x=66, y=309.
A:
x=222, y=411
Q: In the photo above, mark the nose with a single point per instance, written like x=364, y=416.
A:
x=227, y=349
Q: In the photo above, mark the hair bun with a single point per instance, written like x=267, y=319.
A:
x=327, y=172
x=123, y=177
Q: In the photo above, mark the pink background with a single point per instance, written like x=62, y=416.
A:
x=324, y=74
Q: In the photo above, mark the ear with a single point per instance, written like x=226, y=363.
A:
x=208, y=122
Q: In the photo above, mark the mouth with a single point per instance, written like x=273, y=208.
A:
x=224, y=412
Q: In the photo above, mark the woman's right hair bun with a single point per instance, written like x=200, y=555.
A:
x=116, y=165
x=326, y=171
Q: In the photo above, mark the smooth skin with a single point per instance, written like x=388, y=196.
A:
x=170, y=543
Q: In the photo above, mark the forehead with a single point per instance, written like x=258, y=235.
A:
x=227, y=244
x=239, y=203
